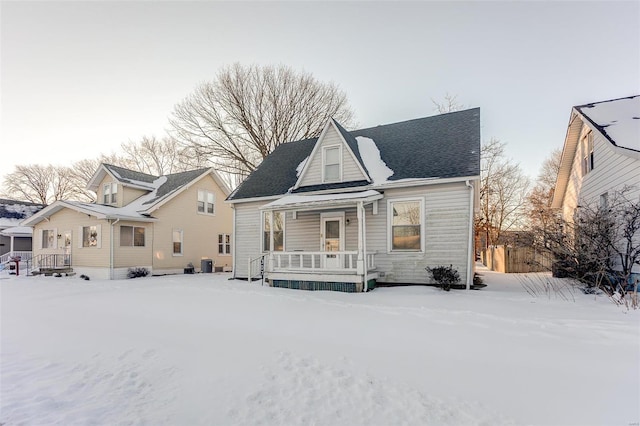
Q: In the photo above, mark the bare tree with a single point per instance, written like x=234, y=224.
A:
x=503, y=192
x=540, y=214
x=159, y=156
x=37, y=183
x=248, y=111
x=601, y=245
x=449, y=104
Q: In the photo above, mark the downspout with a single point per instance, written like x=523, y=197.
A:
x=471, y=258
x=233, y=242
x=364, y=247
x=111, y=248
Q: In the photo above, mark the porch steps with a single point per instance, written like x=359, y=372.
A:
x=47, y=272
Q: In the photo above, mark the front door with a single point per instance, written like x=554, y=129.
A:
x=66, y=246
x=332, y=231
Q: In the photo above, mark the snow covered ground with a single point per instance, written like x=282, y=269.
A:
x=200, y=349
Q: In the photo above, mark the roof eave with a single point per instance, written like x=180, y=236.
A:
x=568, y=154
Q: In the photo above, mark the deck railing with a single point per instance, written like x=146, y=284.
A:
x=342, y=261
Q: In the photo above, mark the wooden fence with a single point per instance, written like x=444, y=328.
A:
x=517, y=259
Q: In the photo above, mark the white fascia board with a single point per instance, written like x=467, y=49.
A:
x=346, y=145
x=312, y=155
x=568, y=154
x=411, y=182
x=310, y=202
x=252, y=199
x=99, y=174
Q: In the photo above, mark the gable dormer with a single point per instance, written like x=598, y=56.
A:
x=114, y=189
x=333, y=160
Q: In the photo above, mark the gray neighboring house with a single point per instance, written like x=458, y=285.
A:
x=350, y=209
x=15, y=239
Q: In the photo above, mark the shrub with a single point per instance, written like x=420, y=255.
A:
x=444, y=276
x=137, y=272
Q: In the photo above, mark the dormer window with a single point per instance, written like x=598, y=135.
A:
x=587, y=153
x=110, y=193
x=332, y=170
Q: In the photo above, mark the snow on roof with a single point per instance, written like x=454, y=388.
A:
x=131, y=210
x=618, y=119
x=377, y=168
x=17, y=231
x=295, y=200
x=301, y=166
x=12, y=212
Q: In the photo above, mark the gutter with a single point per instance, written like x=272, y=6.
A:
x=471, y=258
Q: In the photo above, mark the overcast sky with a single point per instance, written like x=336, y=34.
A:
x=80, y=78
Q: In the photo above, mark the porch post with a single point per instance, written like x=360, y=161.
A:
x=11, y=244
x=360, y=260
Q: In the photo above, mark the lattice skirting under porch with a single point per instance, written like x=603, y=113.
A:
x=321, y=285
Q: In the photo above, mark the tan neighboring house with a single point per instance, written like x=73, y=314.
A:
x=161, y=223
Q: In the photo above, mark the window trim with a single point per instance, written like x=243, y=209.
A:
x=112, y=195
x=133, y=236
x=224, y=245
x=98, y=237
x=324, y=163
x=262, y=231
x=206, y=202
x=587, y=161
x=423, y=220
x=52, y=239
x=173, y=252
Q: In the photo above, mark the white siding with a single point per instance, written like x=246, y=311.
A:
x=247, y=238
x=614, y=168
x=612, y=171
x=350, y=169
x=446, y=222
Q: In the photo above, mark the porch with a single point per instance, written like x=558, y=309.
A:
x=317, y=242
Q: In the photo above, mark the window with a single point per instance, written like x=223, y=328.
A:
x=331, y=161
x=587, y=153
x=206, y=201
x=604, y=201
x=48, y=238
x=273, y=231
x=405, y=225
x=90, y=236
x=177, y=242
x=131, y=236
x=110, y=193
x=224, y=244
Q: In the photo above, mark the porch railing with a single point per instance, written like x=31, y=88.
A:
x=343, y=261
x=256, y=267
x=25, y=256
x=51, y=261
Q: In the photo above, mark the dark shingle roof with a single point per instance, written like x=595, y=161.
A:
x=176, y=181
x=15, y=209
x=442, y=146
x=127, y=176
